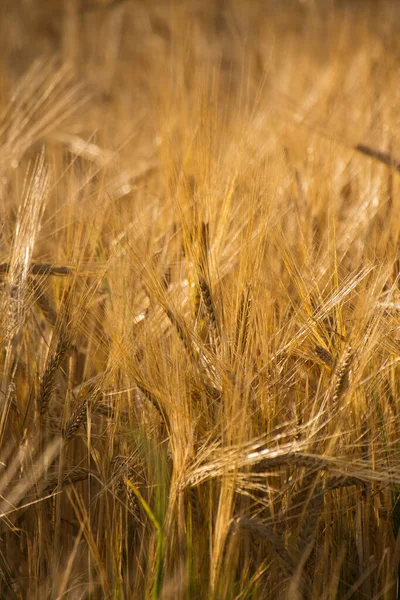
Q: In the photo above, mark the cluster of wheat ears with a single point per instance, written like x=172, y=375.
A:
x=200, y=303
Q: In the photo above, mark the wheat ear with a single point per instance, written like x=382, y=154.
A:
x=211, y=316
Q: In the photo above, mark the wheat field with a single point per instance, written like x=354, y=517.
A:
x=200, y=299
